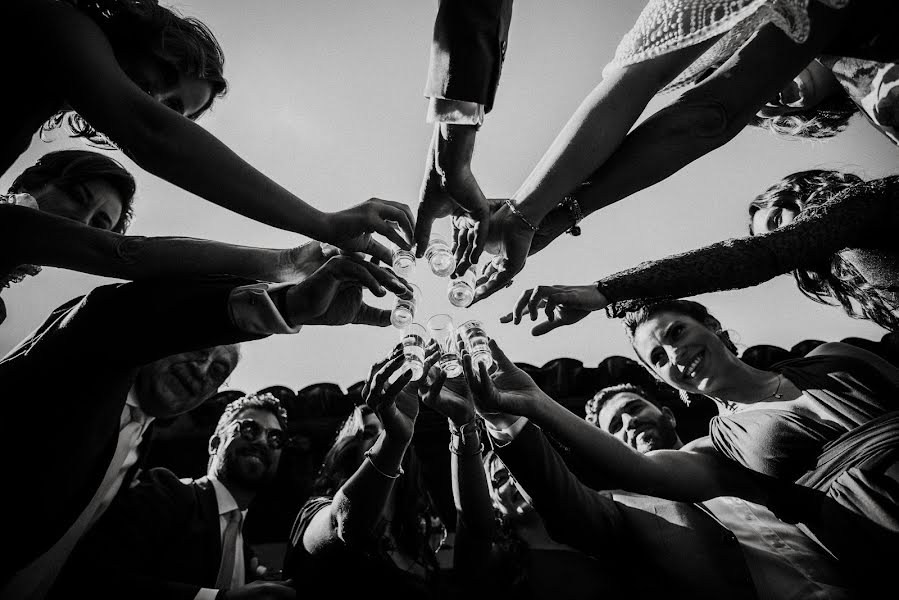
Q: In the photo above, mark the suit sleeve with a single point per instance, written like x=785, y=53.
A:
x=108, y=562
x=136, y=323
x=467, y=50
x=572, y=513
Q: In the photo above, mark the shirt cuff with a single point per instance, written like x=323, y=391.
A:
x=504, y=437
x=206, y=594
x=253, y=310
x=455, y=112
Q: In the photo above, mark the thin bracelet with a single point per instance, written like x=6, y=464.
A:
x=458, y=453
x=464, y=428
x=515, y=210
x=398, y=473
x=575, y=208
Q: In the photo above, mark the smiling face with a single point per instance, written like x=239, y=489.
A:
x=179, y=383
x=95, y=202
x=247, y=463
x=638, y=423
x=683, y=352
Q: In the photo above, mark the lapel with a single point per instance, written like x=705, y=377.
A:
x=210, y=529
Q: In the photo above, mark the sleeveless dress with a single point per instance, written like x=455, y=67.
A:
x=865, y=60
x=847, y=456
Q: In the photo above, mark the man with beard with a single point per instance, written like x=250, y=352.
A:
x=181, y=538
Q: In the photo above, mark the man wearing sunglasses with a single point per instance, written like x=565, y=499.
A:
x=182, y=538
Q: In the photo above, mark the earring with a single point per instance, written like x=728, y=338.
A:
x=684, y=396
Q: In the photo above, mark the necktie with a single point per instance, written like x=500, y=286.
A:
x=234, y=520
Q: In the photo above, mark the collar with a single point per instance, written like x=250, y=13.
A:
x=223, y=497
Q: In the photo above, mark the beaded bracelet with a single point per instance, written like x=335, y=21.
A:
x=375, y=467
x=515, y=210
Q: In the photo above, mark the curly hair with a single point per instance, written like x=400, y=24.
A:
x=65, y=168
x=251, y=401
x=689, y=308
x=824, y=120
x=184, y=45
x=834, y=279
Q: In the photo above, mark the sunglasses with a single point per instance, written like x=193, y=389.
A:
x=250, y=430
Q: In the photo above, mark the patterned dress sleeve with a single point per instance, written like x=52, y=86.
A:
x=864, y=215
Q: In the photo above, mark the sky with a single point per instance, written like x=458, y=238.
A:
x=326, y=98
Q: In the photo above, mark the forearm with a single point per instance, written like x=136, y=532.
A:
x=470, y=493
x=360, y=502
x=185, y=154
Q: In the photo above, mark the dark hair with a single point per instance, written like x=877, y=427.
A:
x=64, y=168
x=251, y=401
x=141, y=27
x=595, y=404
x=824, y=120
x=413, y=508
x=834, y=278
x=689, y=308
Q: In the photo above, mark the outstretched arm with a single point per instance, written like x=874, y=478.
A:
x=80, y=59
x=28, y=236
x=595, y=146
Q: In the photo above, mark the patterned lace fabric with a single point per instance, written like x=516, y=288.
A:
x=865, y=216
x=668, y=25
x=22, y=271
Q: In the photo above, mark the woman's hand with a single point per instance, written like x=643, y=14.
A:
x=510, y=391
x=351, y=229
x=562, y=304
x=396, y=410
x=451, y=398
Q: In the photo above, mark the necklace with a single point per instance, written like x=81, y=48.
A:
x=777, y=395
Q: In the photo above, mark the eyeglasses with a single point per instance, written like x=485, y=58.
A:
x=251, y=430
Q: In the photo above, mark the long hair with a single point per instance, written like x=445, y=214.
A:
x=65, y=168
x=834, y=279
x=183, y=45
x=822, y=121
x=413, y=508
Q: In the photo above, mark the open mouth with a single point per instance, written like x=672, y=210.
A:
x=693, y=366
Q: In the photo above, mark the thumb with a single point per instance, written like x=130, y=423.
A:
x=498, y=355
x=369, y=315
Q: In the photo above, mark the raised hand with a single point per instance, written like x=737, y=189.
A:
x=332, y=295
x=514, y=238
x=510, y=390
x=562, y=305
x=451, y=398
x=396, y=411
x=351, y=229
x=450, y=188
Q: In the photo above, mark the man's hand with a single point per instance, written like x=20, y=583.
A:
x=562, y=304
x=510, y=391
x=262, y=590
x=296, y=264
x=332, y=295
x=351, y=229
x=450, y=188
x=513, y=245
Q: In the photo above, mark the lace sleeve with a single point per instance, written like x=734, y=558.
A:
x=665, y=26
x=865, y=215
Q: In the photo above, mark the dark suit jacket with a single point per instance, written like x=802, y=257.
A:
x=678, y=546
x=72, y=376
x=468, y=49
x=159, y=539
